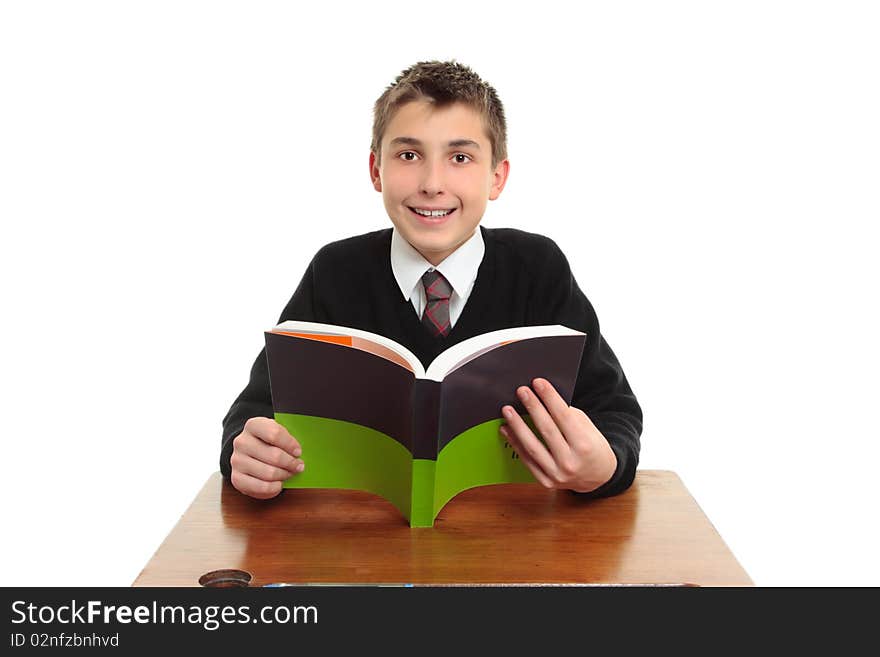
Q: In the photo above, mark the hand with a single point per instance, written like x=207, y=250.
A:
x=576, y=456
x=264, y=454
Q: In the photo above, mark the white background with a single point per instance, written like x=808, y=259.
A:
x=167, y=170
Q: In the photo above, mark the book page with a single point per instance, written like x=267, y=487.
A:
x=465, y=351
x=363, y=340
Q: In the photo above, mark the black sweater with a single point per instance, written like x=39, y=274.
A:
x=523, y=280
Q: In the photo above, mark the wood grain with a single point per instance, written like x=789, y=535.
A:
x=654, y=533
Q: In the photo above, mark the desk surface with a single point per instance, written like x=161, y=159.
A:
x=654, y=533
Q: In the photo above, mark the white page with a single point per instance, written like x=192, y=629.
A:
x=461, y=353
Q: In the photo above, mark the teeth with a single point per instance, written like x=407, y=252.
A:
x=432, y=213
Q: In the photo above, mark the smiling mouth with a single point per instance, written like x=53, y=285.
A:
x=431, y=214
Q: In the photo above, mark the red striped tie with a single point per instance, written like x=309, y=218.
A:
x=437, y=292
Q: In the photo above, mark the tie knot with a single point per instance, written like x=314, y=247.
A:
x=436, y=286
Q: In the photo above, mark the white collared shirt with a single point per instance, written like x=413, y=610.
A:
x=459, y=268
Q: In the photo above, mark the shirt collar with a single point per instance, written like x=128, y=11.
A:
x=459, y=268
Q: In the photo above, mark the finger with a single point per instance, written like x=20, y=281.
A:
x=259, y=470
x=253, y=487
x=529, y=462
x=529, y=444
x=270, y=455
x=543, y=423
x=587, y=435
x=557, y=407
x=579, y=412
x=275, y=434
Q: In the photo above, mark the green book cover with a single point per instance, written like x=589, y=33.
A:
x=370, y=417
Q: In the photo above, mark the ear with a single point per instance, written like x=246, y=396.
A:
x=499, y=178
x=374, y=172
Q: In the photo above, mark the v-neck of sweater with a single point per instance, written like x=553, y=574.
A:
x=427, y=346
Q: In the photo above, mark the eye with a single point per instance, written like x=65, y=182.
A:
x=406, y=156
x=466, y=157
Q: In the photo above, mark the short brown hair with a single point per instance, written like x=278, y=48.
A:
x=443, y=83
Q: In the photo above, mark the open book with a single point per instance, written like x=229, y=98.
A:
x=369, y=417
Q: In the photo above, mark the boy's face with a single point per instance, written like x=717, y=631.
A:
x=436, y=159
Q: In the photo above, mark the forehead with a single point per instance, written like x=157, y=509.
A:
x=427, y=122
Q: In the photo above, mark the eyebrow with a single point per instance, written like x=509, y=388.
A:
x=455, y=143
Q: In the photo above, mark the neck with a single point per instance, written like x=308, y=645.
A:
x=436, y=258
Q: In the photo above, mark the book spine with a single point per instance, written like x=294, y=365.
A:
x=425, y=437
x=426, y=419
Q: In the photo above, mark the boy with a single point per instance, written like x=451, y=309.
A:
x=438, y=155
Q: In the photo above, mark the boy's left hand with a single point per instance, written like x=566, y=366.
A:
x=576, y=456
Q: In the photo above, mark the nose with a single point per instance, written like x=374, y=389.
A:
x=432, y=178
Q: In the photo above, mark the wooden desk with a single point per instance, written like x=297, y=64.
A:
x=512, y=533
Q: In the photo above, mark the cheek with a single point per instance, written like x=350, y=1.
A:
x=475, y=196
x=477, y=189
x=398, y=184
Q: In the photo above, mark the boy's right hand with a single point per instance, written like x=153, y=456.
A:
x=264, y=454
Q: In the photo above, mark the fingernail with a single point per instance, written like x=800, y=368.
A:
x=522, y=393
x=300, y=467
x=507, y=411
x=297, y=452
x=538, y=384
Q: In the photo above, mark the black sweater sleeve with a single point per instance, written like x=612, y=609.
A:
x=601, y=390
x=256, y=399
